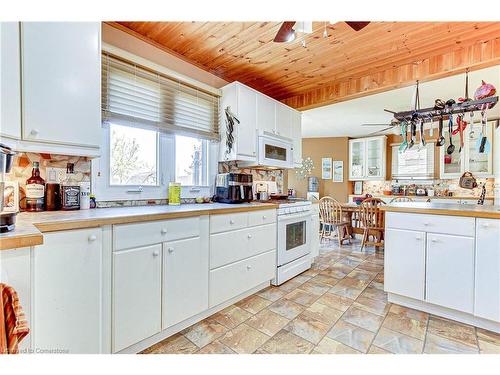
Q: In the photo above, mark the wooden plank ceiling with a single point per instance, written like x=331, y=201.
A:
x=344, y=65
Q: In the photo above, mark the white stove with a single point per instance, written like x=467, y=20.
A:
x=293, y=239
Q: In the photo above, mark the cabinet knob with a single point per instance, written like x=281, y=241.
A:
x=249, y=267
x=427, y=224
x=264, y=217
x=249, y=236
x=156, y=253
x=434, y=240
x=92, y=238
x=163, y=231
x=418, y=238
x=34, y=132
x=170, y=250
x=485, y=225
x=231, y=221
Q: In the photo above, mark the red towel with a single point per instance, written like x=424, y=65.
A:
x=13, y=324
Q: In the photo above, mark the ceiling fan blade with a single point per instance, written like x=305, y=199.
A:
x=283, y=34
x=379, y=131
x=358, y=25
x=386, y=124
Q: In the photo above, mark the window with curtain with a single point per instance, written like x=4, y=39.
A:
x=156, y=130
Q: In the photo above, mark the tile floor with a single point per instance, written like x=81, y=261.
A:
x=337, y=307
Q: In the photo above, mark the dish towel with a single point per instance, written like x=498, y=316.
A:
x=13, y=324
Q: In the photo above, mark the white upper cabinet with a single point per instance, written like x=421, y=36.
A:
x=283, y=120
x=297, y=138
x=10, y=79
x=247, y=114
x=367, y=158
x=266, y=114
x=61, y=70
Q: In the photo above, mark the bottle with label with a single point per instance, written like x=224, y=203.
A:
x=35, y=190
x=70, y=190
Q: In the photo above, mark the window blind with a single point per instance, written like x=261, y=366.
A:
x=142, y=97
x=414, y=163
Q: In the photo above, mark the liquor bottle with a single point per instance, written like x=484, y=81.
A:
x=70, y=190
x=35, y=190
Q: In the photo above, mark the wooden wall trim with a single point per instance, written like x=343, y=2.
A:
x=477, y=56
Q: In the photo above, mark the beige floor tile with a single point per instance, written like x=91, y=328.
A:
x=363, y=318
x=253, y=304
x=301, y=297
x=215, y=347
x=435, y=344
x=323, y=313
x=346, y=291
x=362, y=275
x=309, y=329
x=324, y=279
x=286, y=308
x=489, y=336
x=351, y=335
x=329, y=346
x=204, y=332
x=376, y=350
x=285, y=342
x=379, y=278
x=402, y=324
x=271, y=293
x=335, y=273
x=367, y=266
x=487, y=347
x=350, y=262
x=176, y=344
x=267, y=322
x=409, y=313
x=371, y=305
x=377, y=285
x=462, y=333
x=231, y=316
x=312, y=287
x=335, y=301
x=289, y=285
x=375, y=293
x=302, y=278
x=244, y=339
x=397, y=343
x=311, y=272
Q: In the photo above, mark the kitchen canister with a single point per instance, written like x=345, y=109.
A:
x=84, y=195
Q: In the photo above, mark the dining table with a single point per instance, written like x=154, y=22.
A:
x=350, y=211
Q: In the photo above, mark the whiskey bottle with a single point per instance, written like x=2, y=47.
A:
x=35, y=190
x=70, y=190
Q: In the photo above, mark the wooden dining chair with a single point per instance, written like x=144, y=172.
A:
x=401, y=199
x=372, y=218
x=332, y=218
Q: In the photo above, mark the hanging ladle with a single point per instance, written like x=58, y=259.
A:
x=451, y=147
x=440, y=141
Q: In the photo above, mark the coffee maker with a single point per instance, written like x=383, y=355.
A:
x=233, y=188
x=7, y=219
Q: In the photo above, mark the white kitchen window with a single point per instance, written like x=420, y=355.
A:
x=414, y=163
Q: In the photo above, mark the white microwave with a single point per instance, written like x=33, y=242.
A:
x=274, y=152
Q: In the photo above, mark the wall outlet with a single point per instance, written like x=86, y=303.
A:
x=55, y=175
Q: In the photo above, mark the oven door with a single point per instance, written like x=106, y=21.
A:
x=275, y=152
x=294, y=236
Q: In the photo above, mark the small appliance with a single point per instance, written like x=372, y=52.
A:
x=7, y=218
x=264, y=189
x=233, y=188
x=272, y=152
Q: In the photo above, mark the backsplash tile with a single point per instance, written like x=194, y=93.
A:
x=258, y=174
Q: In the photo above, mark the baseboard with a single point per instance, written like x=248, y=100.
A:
x=444, y=312
x=150, y=341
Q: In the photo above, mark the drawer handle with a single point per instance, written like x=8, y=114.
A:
x=249, y=236
x=485, y=225
x=264, y=217
x=156, y=253
x=434, y=240
x=418, y=238
x=170, y=250
x=249, y=267
x=231, y=221
x=163, y=231
x=92, y=238
x=34, y=132
x=427, y=224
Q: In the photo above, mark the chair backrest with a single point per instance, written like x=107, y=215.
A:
x=330, y=210
x=401, y=199
x=372, y=216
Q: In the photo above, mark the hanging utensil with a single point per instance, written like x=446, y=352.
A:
x=422, y=137
x=440, y=141
x=413, y=133
x=451, y=147
x=471, y=122
x=483, y=144
x=404, y=145
x=461, y=125
x=466, y=96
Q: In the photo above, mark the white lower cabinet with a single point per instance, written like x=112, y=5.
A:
x=450, y=271
x=185, y=280
x=405, y=263
x=315, y=234
x=136, y=295
x=68, y=284
x=487, y=280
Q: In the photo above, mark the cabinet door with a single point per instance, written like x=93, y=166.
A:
x=487, y=277
x=283, y=120
x=185, y=280
x=314, y=235
x=479, y=164
x=246, y=129
x=68, y=283
x=450, y=271
x=136, y=295
x=405, y=263
x=297, y=138
x=356, y=159
x=266, y=114
x=375, y=158
x=10, y=79
x=451, y=166
x=62, y=82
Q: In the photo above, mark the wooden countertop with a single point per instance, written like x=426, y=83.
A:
x=30, y=226
x=424, y=196
x=488, y=212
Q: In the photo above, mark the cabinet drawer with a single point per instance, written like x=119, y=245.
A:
x=224, y=222
x=126, y=236
x=461, y=226
x=231, y=280
x=261, y=217
x=236, y=245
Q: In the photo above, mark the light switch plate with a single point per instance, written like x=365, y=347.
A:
x=55, y=175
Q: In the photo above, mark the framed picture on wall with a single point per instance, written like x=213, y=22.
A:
x=326, y=168
x=358, y=187
x=338, y=171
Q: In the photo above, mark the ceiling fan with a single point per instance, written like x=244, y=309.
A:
x=392, y=126
x=286, y=33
